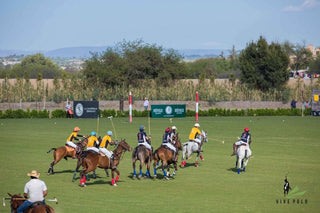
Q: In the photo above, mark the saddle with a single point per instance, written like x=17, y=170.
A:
x=85, y=153
x=37, y=203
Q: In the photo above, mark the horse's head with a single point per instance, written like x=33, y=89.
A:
x=204, y=138
x=83, y=142
x=178, y=144
x=125, y=146
x=14, y=202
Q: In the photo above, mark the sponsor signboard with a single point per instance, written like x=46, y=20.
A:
x=86, y=109
x=168, y=111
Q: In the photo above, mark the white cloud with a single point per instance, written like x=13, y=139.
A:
x=305, y=5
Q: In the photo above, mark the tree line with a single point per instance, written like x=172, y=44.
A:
x=260, y=65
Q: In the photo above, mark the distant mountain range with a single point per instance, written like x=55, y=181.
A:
x=84, y=52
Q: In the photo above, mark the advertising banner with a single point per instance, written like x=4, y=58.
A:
x=168, y=111
x=86, y=109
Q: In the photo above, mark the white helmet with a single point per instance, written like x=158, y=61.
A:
x=197, y=125
x=174, y=127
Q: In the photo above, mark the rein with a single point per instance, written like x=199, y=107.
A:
x=117, y=153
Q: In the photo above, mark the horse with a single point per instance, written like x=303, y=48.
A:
x=142, y=154
x=79, y=163
x=165, y=155
x=193, y=147
x=16, y=200
x=65, y=152
x=94, y=160
x=243, y=152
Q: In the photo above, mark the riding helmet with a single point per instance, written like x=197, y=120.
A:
x=197, y=125
x=167, y=129
x=246, y=129
x=76, y=129
x=141, y=128
x=109, y=133
x=93, y=133
x=174, y=128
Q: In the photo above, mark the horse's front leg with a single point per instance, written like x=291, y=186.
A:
x=114, y=180
x=196, y=163
x=155, y=168
x=79, y=162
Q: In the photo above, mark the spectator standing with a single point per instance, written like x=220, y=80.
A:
x=293, y=104
x=146, y=103
x=69, y=109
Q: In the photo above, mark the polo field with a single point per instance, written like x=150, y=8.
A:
x=283, y=146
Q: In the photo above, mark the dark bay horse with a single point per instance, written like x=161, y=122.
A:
x=165, y=155
x=142, y=154
x=94, y=160
x=37, y=207
x=65, y=152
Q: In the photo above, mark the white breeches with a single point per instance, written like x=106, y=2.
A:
x=70, y=143
x=95, y=149
x=146, y=145
x=170, y=146
x=241, y=142
x=106, y=152
x=197, y=140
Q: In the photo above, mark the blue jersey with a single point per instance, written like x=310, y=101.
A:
x=141, y=137
x=165, y=138
x=245, y=137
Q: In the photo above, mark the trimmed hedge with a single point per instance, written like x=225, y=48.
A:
x=59, y=113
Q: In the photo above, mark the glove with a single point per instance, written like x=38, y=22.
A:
x=117, y=141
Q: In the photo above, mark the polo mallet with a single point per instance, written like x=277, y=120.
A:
x=22, y=198
x=149, y=123
x=98, y=125
x=114, y=129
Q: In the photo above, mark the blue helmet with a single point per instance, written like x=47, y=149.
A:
x=141, y=128
x=93, y=133
x=109, y=133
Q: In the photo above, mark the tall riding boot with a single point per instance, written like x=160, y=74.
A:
x=234, y=149
x=174, y=157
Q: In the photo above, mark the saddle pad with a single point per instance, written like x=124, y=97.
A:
x=69, y=148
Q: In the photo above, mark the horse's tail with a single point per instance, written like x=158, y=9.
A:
x=156, y=155
x=51, y=150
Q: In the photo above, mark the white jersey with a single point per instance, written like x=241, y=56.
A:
x=35, y=189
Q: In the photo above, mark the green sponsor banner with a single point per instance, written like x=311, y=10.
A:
x=168, y=111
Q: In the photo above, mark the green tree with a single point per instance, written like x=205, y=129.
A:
x=315, y=66
x=129, y=62
x=264, y=66
x=35, y=64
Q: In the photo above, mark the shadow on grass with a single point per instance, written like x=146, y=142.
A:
x=233, y=169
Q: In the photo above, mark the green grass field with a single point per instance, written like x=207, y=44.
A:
x=281, y=146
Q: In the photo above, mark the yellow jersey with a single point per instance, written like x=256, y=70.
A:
x=92, y=141
x=73, y=136
x=105, y=142
x=194, y=133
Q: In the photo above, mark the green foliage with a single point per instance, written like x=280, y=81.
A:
x=315, y=66
x=129, y=62
x=58, y=113
x=264, y=66
x=35, y=65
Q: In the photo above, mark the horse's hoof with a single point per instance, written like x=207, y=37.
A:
x=73, y=180
x=82, y=185
x=133, y=177
x=115, y=184
x=140, y=176
x=196, y=165
x=166, y=178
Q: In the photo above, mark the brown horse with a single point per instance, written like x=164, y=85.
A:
x=94, y=160
x=16, y=200
x=142, y=154
x=165, y=155
x=65, y=152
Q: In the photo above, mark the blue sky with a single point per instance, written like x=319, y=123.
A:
x=178, y=24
